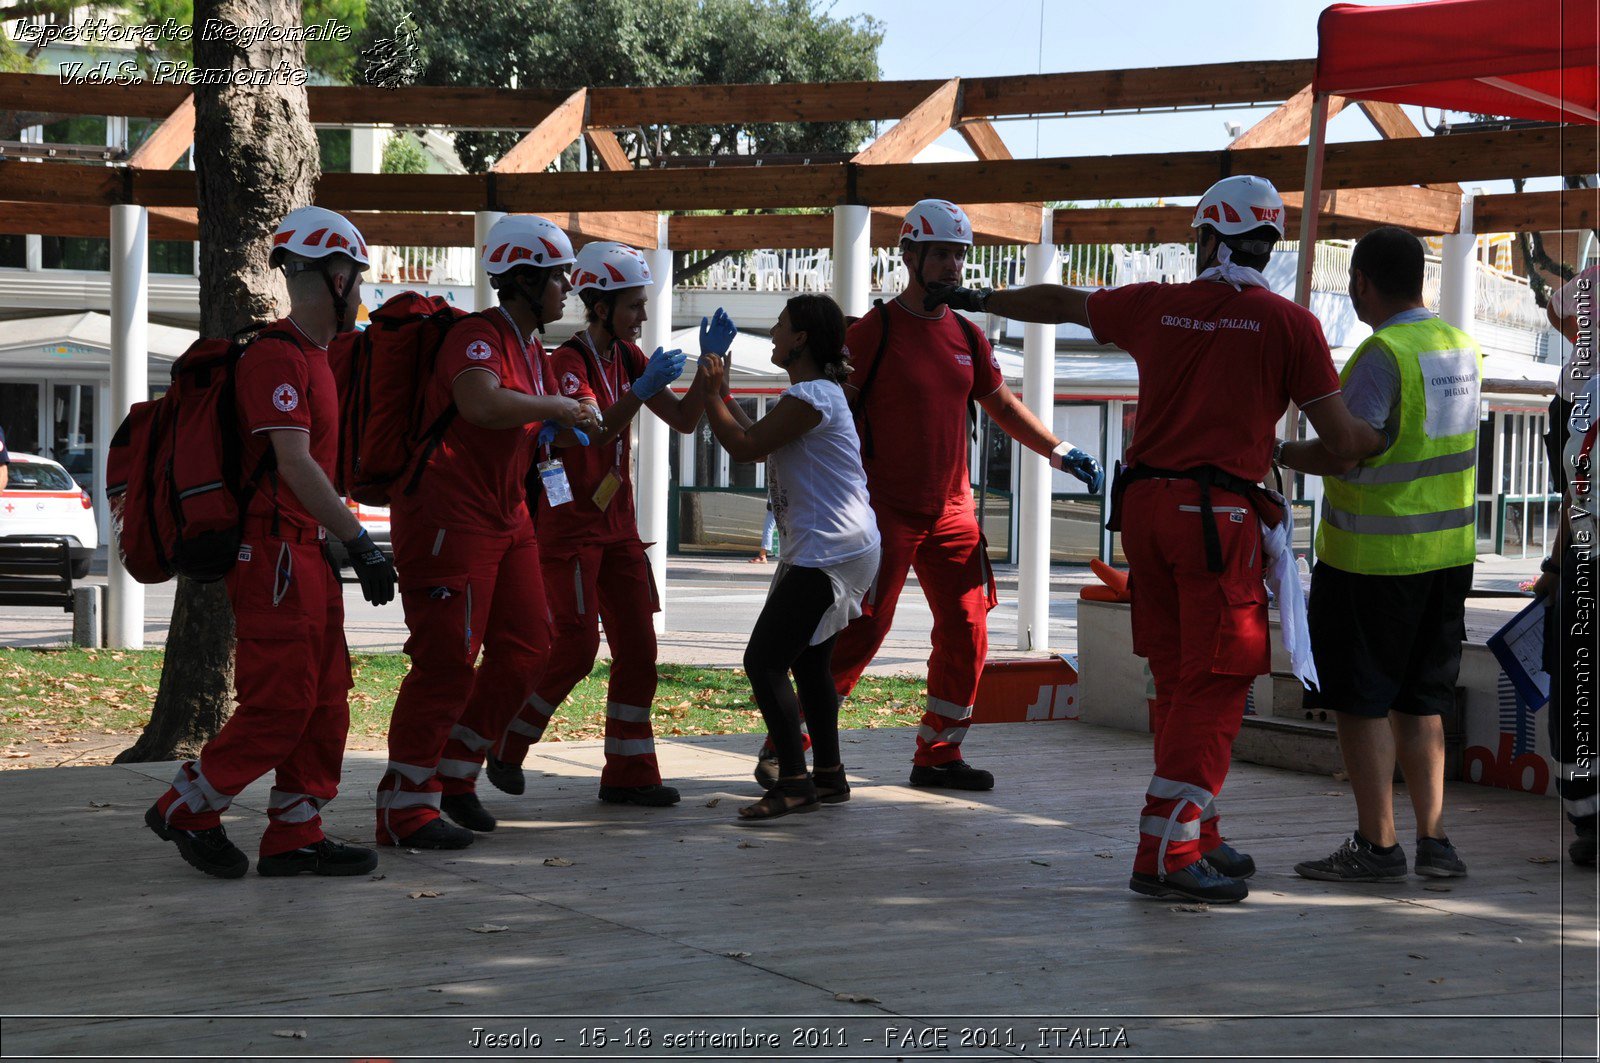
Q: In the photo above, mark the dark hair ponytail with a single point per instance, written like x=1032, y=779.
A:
x=820, y=318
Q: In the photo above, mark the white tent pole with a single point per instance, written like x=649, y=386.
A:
x=1043, y=266
x=130, y=372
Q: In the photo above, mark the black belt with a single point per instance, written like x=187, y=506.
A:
x=1268, y=507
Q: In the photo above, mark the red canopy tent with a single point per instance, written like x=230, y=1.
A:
x=1536, y=59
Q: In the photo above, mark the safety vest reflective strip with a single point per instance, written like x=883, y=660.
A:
x=1413, y=508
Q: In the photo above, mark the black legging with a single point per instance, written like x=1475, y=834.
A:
x=780, y=644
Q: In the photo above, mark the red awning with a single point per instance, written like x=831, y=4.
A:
x=1535, y=59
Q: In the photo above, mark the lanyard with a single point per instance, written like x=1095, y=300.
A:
x=535, y=375
x=610, y=384
x=607, y=377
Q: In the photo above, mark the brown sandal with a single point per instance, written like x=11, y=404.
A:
x=781, y=801
x=832, y=787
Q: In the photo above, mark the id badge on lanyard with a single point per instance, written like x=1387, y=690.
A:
x=557, y=488
x=612, y=482
x=553, y=472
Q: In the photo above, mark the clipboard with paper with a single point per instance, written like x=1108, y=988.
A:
x=1519, y=647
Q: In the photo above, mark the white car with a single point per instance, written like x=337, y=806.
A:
x=41, y=499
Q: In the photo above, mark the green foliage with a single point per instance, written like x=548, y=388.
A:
x=334, y=147
x=403, y=154
x=333, y=60
x=566, y=44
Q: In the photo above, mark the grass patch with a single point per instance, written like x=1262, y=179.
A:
x=56, y=695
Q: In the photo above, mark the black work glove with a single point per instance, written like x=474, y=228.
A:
x=971, y=300
x=376, y=574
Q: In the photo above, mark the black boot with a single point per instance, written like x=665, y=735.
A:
x=205, y=850
x=468, y=811
x=323, y=858
x=507, y=778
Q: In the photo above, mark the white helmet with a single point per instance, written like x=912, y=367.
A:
x=604, y=266
x=525, y=240
x=936, y=220
x=314, y=232
x=1236, y=205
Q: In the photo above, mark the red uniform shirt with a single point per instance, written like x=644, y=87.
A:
x=916, y=409
x=473, y=481
x=286, y=384
x=581, y=374
x=1217, y=368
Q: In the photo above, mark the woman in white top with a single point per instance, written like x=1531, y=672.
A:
x=830, y=547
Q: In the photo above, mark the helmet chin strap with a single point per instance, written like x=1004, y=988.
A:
x=341, y=305
x=535, y=302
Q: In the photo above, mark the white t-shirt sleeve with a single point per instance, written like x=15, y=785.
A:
x=822, y=395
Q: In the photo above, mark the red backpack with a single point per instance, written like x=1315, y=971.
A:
x=175, y=479
x=382, y=375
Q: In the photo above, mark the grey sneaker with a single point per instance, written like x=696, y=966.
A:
x=1436, y=858
x=1356, y=861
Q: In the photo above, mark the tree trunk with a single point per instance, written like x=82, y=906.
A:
x=255, y=160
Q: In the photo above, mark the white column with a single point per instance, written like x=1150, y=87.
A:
x=1458, y=287
x=483, y=296
x=130, y=357
x=366, y=148
x=1033, y=501
x=852, y=259
x=650, y=437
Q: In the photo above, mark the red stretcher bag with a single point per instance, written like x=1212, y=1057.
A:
x=382, y=375
x=175, y=480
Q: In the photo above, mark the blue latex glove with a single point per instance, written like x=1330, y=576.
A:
x=1077, y=463
x=550, y=430
x=717, y=334
x=663, y=368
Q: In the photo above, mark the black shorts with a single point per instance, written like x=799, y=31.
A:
x=1387, y=643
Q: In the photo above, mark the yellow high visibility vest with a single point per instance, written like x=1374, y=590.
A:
x=1412, y=508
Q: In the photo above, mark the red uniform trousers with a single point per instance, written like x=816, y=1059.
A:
x=589, y=584
x=1205, y=636
x=462, y=591
x=291, y=677
x=950, y=558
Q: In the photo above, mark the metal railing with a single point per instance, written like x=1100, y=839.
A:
x=1502, y=297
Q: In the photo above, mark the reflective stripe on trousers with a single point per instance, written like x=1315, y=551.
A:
x=1169, y=829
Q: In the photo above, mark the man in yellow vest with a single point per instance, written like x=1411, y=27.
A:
x=1395, y=547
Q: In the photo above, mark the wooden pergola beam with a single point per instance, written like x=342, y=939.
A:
x=545, y=142
x=983, y=139
x=608, y=149
x=921, y=126
x=1566, y=208
x=1523, y=212
x=1076, y=92
x=170, y=141
x=1536, y=152
x=1418, y=209
x=1392, y=123
x=1288, y=123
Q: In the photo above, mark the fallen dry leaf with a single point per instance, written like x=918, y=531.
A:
x=749, y=845
x=419, y=894
x=1437, y=889
x=99, y=804
x=856, y=998
x=714, y=802
x=1103, y=856
x=17, y=754
x=1191, y=907
x=1543, y=859
x=557, y=861
x=736, y=955
x=488, y=928
x=298, y=1035
x=1041, y=863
